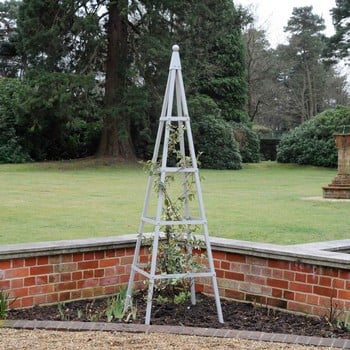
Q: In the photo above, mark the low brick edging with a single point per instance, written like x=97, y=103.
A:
x=305, y=278
x=181, y=330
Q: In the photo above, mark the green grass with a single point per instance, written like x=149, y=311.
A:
x=263, y=202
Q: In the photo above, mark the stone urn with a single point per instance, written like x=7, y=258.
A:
x=340, y=186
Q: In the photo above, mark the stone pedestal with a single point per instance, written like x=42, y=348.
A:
x=340, y=186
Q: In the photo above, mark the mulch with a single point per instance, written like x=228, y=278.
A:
x=237, y=315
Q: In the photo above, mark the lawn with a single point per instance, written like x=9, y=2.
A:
x=264, y=202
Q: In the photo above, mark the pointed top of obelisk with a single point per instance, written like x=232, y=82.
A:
x=175, y=58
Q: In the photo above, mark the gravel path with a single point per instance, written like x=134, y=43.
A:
x=21, y=339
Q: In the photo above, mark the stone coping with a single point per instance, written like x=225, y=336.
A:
x=330, y=253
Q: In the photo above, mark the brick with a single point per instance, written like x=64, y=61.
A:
x=277, y=273
x=281, y=304
x=78, y=257
x=222, y=256
x=21, y=292
x=27, y=302
x=19, y=272
x=260, y=271
x=225, y=265
x=129, y=251
x=234, y=294
x=256, y=261
x=65, y=286
x=124, y=278
x=54, y=260
x=325, y=302
x=42, y=279
x=313, y=279
x=344, y=274
x=89, y=283
x=277, y=293
x=64, y=296
x=54, y=278
x=65, y=267
x=300, y=297
x=77, y=275
x=89, y=256
x=5, y=265
x=84, y=265
x=277, y=264
x=277, y=283
x=288, y=295
x=29, y=281
x=110, y=253
x=216, y=264
x=126, y=260
x=120, y=252
x=99, y=273
x=312, y=299
x=41, y=270
x=236, y=258
x=16, y=283
x=5, y=284
x=144, y=259
x=255, y=279
x=220, y=273
x=87, y=293
x=52, y=298
x=88, y=274
x=234, y=276
x=300, y=277
x=288, y=275
x=108, y=281
x=41, y=290
x=39, y=300
x=338, y=283
x=18, y=263
x=344, y=294
x=30, y=262
x=110, y=271
x=328, y=271
x=300, y=287
x=42, y=260
x=64, y=277
x=299, y=307
x=109, y=262
x=99, y=255
x=301, y=267
x=76, y=294
x=323, y=291
x=325, y=281
x=67, y=258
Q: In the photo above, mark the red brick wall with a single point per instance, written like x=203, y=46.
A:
x=94, y=273
x=284, y=284
x=57, y=278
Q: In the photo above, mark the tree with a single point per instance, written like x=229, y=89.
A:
x=305, y=45
x=115, y=139
x=339, y=44
x=64, y=36
x=126, y=45
x=9, y=63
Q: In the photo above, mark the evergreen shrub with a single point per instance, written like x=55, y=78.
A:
x=11, y=150
x=249, y=143
x=312, y=143
x=213, y=136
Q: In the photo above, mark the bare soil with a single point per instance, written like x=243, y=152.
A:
x=237, y=315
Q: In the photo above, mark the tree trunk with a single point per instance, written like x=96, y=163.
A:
x=115, y=139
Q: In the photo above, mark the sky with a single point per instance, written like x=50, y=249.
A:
x=273, y=15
